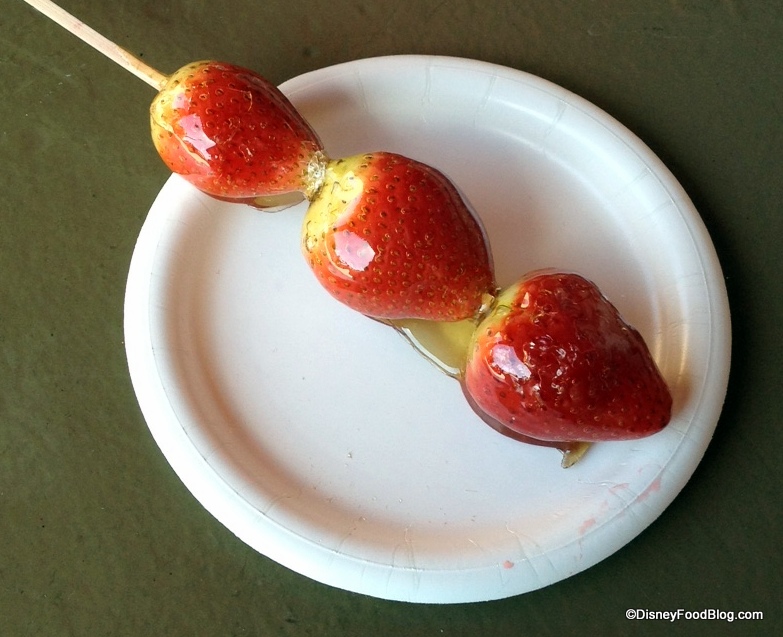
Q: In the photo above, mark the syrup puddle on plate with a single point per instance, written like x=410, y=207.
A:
x=446, y=345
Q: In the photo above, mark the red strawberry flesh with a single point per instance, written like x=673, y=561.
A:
x=555, y=361
x=233, y=134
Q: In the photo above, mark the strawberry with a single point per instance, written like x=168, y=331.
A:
x=554, y=361
x=234, y=135
x=392, y=238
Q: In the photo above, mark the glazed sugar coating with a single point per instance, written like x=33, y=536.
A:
x=231, y=133
x=391, y=237
x=555, y=361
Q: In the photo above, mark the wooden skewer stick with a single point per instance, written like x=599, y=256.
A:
x=128, y=61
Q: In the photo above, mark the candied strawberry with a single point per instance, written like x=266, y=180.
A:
x=392, y=238
x=555, y=361
x=233, y=134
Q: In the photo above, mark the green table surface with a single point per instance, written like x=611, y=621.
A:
x=98, y=534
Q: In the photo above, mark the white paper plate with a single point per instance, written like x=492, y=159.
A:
x=321, y=439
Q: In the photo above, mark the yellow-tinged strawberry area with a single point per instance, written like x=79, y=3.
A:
x=167, y=140
x=338, y=193
x=331, y=207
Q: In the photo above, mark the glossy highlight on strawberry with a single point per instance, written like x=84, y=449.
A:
x=391, y=237
x=233, y=134
x=555, y=361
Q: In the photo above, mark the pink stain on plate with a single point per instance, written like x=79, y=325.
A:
x=586, y=525
x=619, y=488
x=655, y=486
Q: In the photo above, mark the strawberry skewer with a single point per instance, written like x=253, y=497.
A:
x=392, y=238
